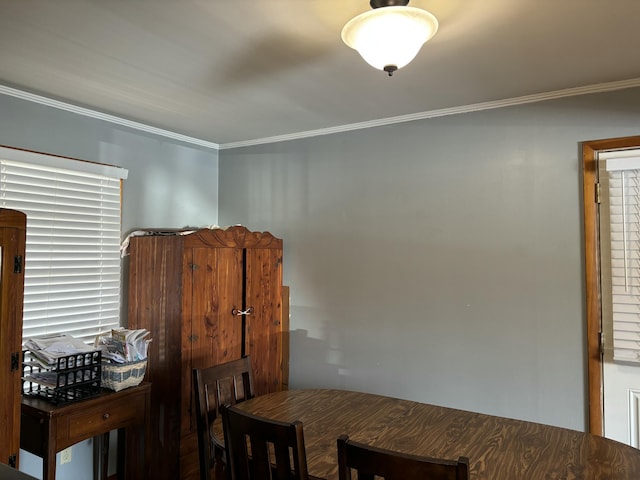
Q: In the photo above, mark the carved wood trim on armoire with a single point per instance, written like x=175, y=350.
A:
x=207, y=297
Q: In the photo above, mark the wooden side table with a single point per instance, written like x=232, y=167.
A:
x=46, y=428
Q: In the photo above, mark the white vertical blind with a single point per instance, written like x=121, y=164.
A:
x=72, y=264
x=624, y=224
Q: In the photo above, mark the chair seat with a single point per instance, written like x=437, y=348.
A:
x=214, y=438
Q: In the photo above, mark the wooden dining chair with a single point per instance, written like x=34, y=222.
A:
x=372, y=462
x=259, y=448
x=224, y=384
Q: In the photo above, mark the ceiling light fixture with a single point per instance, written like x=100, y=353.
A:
x=391, y=35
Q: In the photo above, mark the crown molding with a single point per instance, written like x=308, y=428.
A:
x=476, y=107
x=31, y=97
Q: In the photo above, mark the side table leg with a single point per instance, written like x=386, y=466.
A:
x=49, y=463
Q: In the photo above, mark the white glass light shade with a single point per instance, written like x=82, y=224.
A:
x=389, y=36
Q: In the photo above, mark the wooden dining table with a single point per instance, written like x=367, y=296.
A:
x=498, y=448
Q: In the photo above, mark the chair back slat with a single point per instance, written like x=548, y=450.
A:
x=258, y=458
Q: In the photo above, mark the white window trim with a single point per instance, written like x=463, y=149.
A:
x=54, y=161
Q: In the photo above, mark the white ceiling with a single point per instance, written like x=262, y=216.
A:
x=233, y=72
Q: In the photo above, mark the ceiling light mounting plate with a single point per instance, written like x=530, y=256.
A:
x=388, y=3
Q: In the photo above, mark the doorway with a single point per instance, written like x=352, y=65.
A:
x=599, y=365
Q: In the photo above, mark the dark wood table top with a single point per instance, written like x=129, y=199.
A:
x=498, y=448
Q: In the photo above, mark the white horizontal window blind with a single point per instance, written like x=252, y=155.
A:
x=624, y=223
x=72, y=264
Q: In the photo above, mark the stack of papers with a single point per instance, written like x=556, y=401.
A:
x=47, y=349
x=122, y=345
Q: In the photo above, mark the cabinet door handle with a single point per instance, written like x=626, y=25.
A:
x=105, y=416
x=248, y=311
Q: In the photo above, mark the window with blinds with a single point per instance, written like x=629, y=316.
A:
x=623, y=184
x=72, y=264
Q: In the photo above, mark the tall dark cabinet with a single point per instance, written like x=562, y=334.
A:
x=13, y=230
x=207, y=297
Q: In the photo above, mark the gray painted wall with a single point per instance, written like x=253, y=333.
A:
x=439, y=260
x=170, y=185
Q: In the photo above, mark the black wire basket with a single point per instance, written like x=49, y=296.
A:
x=70, y=378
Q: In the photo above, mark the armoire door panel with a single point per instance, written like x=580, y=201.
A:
x=213, y=335
x=264, y=325
x=217, y=291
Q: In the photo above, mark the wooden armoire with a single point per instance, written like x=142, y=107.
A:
x=13, y=230
x=207, y=297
